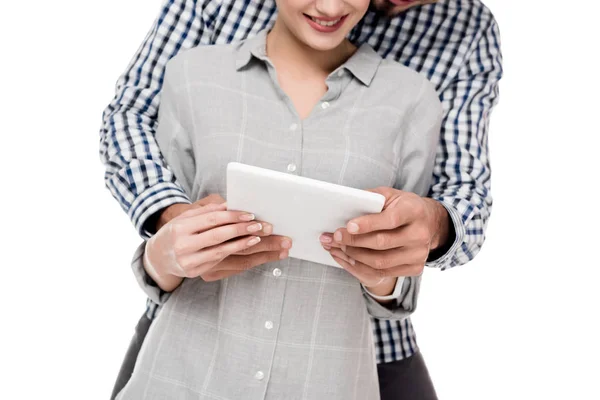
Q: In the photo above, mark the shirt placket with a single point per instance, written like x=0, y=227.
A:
x=293, y=137
x=336, y=81
x=293, y=127
x=270, y=323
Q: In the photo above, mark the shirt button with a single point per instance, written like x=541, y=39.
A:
x=276, y=272
x=291, y=167
x=259, y=375
x=269, y=325
x=340, y=72
x=293, y=127
x=324, y=105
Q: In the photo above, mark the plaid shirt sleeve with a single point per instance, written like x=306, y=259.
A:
x=136, y=173
x=461, y=179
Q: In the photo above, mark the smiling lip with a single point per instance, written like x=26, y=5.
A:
x=329, y=27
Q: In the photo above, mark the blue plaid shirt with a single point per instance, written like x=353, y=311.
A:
x=454, y=43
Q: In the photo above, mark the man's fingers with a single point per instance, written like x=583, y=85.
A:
x=390, y=218
x=407, y=235
x=243, y=263
x=235, y=264
x=400, y=209
x=368, y=276
x=371, y=276
x=218, y=275
x=386, y=259
x=379, y=240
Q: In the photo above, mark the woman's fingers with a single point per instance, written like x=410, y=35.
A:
x=235, y=264
x=215, y=254
x=204, y=221
x=220, y=235
x=268, y=243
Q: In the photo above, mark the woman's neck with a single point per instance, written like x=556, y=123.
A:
x=285, y=50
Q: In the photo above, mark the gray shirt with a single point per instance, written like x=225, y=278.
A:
x=290, y=329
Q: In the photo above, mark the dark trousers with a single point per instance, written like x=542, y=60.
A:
x=406, y=379
x=126, y=370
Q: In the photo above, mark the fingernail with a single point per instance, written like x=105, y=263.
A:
x=267, y=229
x=283, y=255
x=286, y=244
x=352, y=227
x=247, y=217
x=254, y=227
x=351, y=261
x=337, y=236
x=326, y=247
x=343, y=247
x=325, y=239
x=253, y=241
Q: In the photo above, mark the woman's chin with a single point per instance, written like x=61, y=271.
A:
x=324, y=44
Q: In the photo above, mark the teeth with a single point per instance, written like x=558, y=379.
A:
x=325, y=23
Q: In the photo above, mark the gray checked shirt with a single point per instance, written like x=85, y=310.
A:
x=290, y=329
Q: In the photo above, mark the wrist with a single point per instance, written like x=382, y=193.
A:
x=170, y=212
x=384, y=299
x=384, y=288
x=439, y=224
x=167, y=282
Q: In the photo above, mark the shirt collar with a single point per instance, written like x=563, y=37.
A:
x=363, y=64
x=254, y=46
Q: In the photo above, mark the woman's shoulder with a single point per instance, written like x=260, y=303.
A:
x=203, y=61
x=397, y=76
x=203, y=53
x=403, y=88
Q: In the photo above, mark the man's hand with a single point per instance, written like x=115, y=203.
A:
x=378, y=248
x=270, y=248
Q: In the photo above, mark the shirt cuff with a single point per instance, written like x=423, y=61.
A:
x=150, y=288
x=395, y=294
x=403, y=307
x=445, y=259
x=153, y=200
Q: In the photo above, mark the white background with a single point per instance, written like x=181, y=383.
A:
x=519, y=322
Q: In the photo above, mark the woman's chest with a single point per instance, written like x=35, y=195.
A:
x=341, y=141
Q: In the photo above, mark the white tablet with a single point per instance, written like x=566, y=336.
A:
x=298, y=207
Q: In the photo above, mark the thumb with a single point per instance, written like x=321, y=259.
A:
x=389, y=193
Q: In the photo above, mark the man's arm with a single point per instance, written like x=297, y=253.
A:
x=136, y=173
x=461, y=176
x=452, y=223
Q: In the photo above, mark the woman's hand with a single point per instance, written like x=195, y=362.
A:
x=195, y=242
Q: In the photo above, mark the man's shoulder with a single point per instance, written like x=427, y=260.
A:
x=472, y=13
